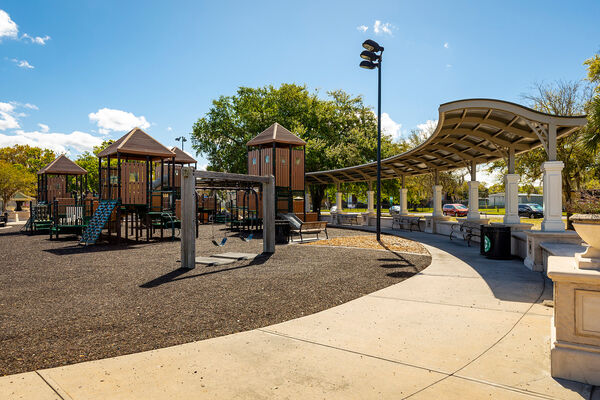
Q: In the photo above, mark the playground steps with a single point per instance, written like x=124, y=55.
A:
x=99, y=219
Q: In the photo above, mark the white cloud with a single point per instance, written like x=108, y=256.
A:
x=8, y=119
x=59, y=142
x=116, y=120
x=202, y=167
x=36, y=39
x=390, y=127
x=22, y=64
x=10, y=30
x=427, y=127
x=381, y=28
x=362, y=28
x=448, y=65
x=169, y=129
x=45, y=128
x=446, y=45
x=8, y=27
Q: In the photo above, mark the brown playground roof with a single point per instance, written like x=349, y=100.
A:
x=137, y=144
x=276, y=134
x=181, y=157
x=62, y=166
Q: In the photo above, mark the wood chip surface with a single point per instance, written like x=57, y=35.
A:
x=393, y=243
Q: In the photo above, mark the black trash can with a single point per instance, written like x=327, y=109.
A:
x=282, y=231
x=495, y=242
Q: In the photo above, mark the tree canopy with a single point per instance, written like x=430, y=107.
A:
x=14, y=177
x=340, y=130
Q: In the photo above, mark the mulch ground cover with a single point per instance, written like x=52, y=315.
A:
x=62, y=304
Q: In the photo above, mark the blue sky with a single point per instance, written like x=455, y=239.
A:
x=75, y=72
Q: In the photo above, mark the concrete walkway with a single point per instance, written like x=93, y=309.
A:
x=464, y=328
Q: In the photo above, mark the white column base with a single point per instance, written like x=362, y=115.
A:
x=370, y=201
x=338, y=201
x=553, y=197
x=511, y=199
x=473, y=213
x=437, y=201
x=403, y=201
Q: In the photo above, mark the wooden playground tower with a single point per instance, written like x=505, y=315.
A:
x=130, y=200
x=278, y=152
x=61, y=202
x=53, y=180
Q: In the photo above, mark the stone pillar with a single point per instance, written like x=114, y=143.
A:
x=404, y=201
x=552, y=197
x=307, y=201
x=473, y=200
x=437, y=201
x=370, y=199
x=511, y=199
x=338, y=201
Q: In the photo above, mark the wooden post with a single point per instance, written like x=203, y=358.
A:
x=188, y=239
x=99, y=178
x=269, y=205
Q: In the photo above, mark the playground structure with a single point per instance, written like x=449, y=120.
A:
x=61, y=205
x=130, y=201
x=278, y=152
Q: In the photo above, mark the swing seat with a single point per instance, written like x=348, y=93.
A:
x=220, y=244
x=248, y=238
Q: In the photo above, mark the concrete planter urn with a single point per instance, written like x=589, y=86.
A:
x=588, y=228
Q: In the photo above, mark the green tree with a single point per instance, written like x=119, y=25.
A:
x=14, y=177
x=30, y=157
x=89, y=161
x=339, y=130
x=591, y=135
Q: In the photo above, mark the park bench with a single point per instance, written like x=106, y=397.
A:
x=348, y=219
x=298, y=227
x=467, y=229
x=406, y=221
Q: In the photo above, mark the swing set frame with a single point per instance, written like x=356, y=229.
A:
x=207, y=180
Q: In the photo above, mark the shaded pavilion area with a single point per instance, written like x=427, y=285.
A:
x=472, y=132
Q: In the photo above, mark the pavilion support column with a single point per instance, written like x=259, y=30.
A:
x=437, y=201
x=307, y=199
x=473, y=213
x=370, y=199
x=511, y=199
x=511, y=191
x=338, y=198
x=552, y=197
x=403, y=198
x=437, y=196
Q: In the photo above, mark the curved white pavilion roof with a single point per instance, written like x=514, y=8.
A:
x=469, y=132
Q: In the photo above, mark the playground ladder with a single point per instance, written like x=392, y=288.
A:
x=99, y=219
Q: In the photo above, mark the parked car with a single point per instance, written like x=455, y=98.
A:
x=455, y=210
x=395, y=210
x=531, y=210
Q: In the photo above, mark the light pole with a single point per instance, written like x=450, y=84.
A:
x=372, y=61
x=181, y=139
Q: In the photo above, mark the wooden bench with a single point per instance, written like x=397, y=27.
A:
x=467, y=229
x=405, y=220
x=298, y=227
x=348, y=219
x=314, y=227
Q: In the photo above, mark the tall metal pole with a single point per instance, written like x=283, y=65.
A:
x=379, y=148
